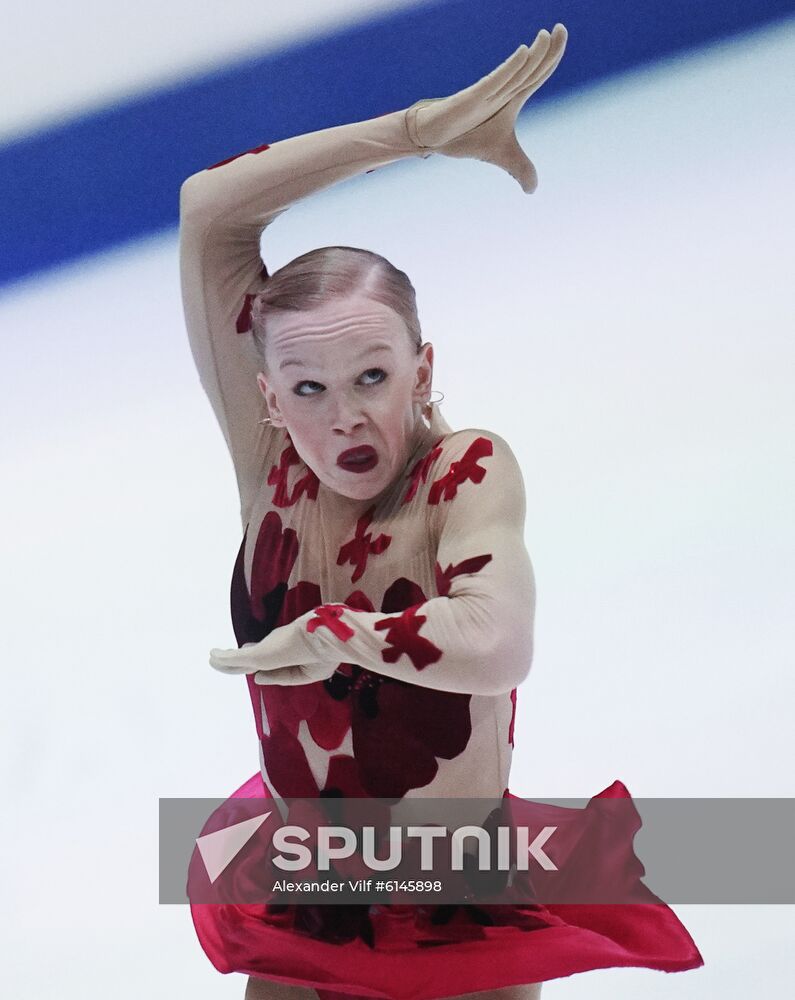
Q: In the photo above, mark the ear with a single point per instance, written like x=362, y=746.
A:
x=270, y=401
x=424, y=378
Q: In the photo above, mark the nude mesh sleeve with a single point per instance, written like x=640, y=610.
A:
x=223, y=213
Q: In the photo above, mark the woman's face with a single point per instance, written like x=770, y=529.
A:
x=342, y=376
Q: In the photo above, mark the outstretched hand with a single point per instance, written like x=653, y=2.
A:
x=479, y=121
x=269, y=664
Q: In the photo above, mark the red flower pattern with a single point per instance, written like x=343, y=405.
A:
x=330, y=615
x=377, y=705
x=275, y=552
x=472, y=565
x=362, y=545
x=243, y=323
x=381, y=712
x=419, y=471
x=229, y=159
x=390, y=715
x=271, y=604
x=399, y=731
x=460, y=471
x=279, y=475
x=403, y=636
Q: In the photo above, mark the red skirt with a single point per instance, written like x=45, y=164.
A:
x=422, y=952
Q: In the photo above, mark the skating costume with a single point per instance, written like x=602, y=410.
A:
x=425, y=598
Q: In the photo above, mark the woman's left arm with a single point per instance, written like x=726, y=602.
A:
x=475, y=638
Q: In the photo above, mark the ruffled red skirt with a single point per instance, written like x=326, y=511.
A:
x=362, y=950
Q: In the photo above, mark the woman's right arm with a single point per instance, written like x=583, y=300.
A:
x=223, y=211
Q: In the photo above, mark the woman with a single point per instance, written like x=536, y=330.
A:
x=382, y=595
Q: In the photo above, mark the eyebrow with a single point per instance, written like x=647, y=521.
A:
x=370, y=350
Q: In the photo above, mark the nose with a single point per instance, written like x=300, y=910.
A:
x=347, y=417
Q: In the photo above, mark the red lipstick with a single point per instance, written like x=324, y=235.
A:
x=358, y=459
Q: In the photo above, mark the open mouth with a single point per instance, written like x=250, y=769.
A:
x=358, y=459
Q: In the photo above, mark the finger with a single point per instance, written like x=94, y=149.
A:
x=540, y=75
x=524, y=172
x=230, y=661
x=534, y=58
x=512, y=158
x=499, y=76
x=281, y=675
x=553, y=56
x=530, y=83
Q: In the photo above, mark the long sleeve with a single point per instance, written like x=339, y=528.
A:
x=223, y=212
x=477, y=636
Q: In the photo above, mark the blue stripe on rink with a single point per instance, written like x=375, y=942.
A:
x=113, y=175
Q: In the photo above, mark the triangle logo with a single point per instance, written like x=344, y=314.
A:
x=219, y=848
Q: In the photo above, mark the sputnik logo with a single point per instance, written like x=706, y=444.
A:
x=219, y=848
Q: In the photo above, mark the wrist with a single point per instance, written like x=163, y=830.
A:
x=413, y=124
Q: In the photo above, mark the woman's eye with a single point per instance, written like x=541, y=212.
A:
x=298, y=388
x=378, y=372
x=373, y=376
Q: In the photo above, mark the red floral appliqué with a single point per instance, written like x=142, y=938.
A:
x=399, y=730
x=362, y=545
x=229, y=159
x=460, y=471
x=471, y=565
x=403, y=636
x=330, y=615
x=278, y=476
x=243, y=323
x=419, y=471
x=255, y=615
x=271, y=604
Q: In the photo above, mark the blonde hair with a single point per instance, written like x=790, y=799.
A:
x=309, y=281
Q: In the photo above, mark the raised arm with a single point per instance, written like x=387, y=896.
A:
x=223, y=212
x=476, y=637
x=225, y=208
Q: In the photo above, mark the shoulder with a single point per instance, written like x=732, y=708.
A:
x=473, y=460
x=463, y=439
x=476, y=444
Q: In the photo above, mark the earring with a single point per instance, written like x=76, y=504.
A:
x=265, y=420
x=428, y=407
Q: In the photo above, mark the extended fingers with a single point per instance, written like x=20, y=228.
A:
x=280, y=675
x=499, y=77
x=543, y=68
x=552, y=58
x=297, y=674
x=534, y=57
x=231, y=661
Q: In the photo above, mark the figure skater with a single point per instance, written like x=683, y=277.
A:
x=382, y=597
